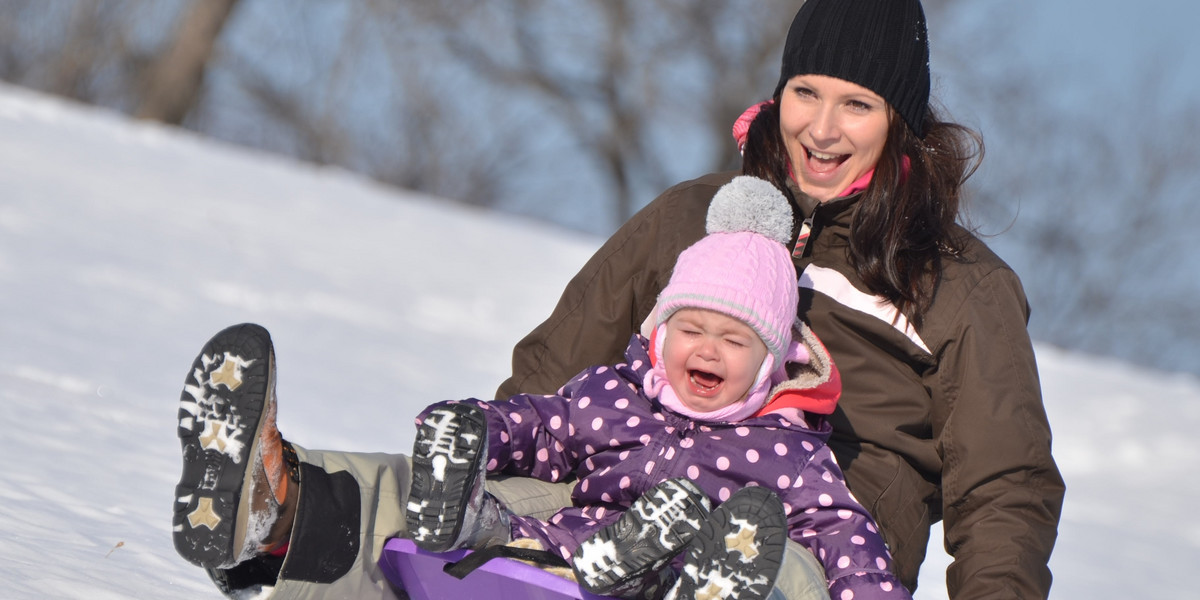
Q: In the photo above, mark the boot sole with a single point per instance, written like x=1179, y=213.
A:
x=446, y=456
x=229, y=388
x=655, y=529
x=738, y=551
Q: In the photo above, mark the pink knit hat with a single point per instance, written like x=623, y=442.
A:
x=742, y=268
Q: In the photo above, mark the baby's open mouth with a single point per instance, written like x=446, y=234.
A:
x=704, y=381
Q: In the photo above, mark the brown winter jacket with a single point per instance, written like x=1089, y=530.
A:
x=944, y=422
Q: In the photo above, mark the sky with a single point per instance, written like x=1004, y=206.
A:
x=124, y=246
x=1113, y=40
x=1093, y=45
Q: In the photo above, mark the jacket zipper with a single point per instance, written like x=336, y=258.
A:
x=803, y=236
x=665, y=468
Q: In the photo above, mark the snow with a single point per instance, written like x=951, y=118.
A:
x=124, y=246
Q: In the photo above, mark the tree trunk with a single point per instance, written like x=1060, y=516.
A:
x=172, y=84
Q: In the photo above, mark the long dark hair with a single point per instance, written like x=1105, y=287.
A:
x=903, y=226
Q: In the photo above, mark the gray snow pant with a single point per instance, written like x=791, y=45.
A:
x=350, y=504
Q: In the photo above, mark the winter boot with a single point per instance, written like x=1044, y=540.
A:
x=235, y=496
x=617, y=560
x=738, y=551
x=447, y=505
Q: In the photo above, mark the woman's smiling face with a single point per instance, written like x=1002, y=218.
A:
x=834, y=132
x=711, y=358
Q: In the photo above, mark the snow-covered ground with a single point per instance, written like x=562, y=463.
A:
x=124, y=246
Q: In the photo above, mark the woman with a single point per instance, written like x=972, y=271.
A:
x=940, y=418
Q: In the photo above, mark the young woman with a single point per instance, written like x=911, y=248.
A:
x=940, y=418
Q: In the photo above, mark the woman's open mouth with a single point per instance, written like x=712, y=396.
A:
x=822, y=162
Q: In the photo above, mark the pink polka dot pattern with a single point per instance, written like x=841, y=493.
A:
x=619, y=443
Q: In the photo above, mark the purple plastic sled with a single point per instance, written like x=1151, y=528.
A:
x=420, y=573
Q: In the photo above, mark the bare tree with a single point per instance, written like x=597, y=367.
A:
x=370, y=95
x=518, y=103
x=629, y=80
x=78, y=50
x=562, y=108
x=173, y=81
x=1113, y=229
x=1092, y=208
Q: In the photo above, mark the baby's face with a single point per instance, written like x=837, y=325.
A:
x=711, y=358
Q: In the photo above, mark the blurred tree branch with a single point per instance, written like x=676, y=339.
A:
x=173, y=80
x=581, y=111
x=633, y=69
x=78, y=50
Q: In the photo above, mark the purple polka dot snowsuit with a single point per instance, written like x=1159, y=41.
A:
x=602, y=429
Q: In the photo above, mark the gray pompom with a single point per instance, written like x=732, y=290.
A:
x=751, y=204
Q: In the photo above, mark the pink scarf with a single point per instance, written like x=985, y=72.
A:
x=657, y=386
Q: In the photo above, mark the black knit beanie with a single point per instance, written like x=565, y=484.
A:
x=881, y=45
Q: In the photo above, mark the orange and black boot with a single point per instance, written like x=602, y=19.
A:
x=232, y=502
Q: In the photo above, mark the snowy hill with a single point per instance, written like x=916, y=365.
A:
x=124, y=246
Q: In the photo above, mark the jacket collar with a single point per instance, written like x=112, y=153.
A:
x=836, y=210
